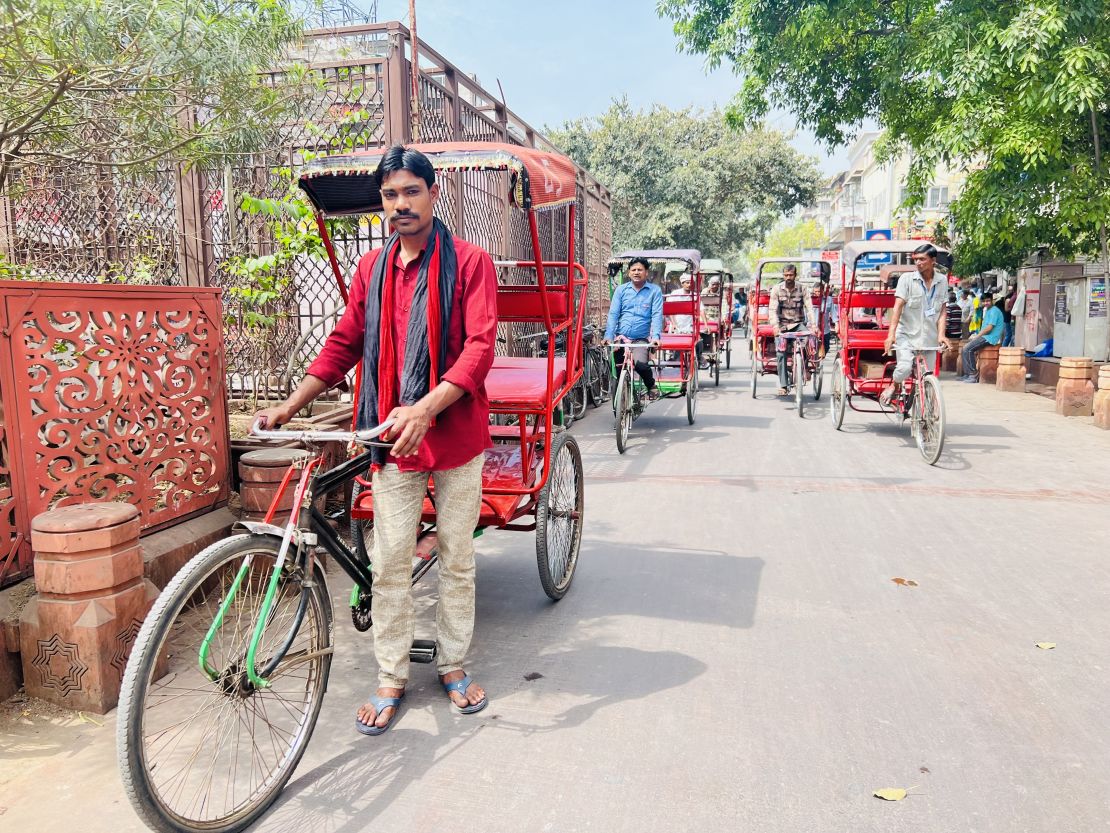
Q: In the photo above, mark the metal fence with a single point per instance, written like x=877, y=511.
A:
x=181, y=227
x=108, y=393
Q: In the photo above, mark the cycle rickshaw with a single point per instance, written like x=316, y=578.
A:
x=226, y=679
x=716, y=305
x=804, y=359
x=675, y=364
x=862, y=370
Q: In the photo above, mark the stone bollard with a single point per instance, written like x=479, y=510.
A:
x=950, y=359
x=1011, y=369
x=260, y=475
x=960, y=356
x=1102, y=398
x=76, y=634
x=1075, y=394
x=987, y=363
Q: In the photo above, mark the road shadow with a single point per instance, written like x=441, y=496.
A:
x=350, y=790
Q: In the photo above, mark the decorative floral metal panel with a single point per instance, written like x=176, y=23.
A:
x=109, y=393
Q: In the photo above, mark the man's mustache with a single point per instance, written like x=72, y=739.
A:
x=404, y=215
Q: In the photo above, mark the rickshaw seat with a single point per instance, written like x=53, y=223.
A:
x=865, y=339
x=677, y=341
x=765, y=331
x=518, y=382
x=712, y=326
x=524, y=303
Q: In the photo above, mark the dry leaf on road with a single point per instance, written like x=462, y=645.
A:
x=890, y=794
x=1046, y=646
x=904, y=582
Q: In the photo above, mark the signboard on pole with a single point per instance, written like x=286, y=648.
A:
x=877, y=258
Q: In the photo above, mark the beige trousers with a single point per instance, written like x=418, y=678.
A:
x=398, y=499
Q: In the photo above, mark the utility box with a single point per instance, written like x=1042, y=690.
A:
x=1080, y=326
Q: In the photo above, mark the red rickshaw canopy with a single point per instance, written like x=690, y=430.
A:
x=345, y=184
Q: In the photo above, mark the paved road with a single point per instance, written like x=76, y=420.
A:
x=733, y=654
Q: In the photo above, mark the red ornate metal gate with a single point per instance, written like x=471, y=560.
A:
x=108, y=393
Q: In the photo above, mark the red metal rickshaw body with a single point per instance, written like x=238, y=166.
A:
x=529, y=389
x=866, y=300
x=810, y=271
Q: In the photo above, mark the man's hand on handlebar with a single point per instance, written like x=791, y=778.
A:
x=410, y=424
x=655, y=343
x=272, y=418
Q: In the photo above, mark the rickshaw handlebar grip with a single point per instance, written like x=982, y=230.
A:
x=365, y=436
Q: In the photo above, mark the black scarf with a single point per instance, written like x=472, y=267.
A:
x=428, y=328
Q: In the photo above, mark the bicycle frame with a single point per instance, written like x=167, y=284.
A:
x=303, y=516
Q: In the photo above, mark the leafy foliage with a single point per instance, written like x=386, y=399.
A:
x=785, y=241
x=1015, y=90
x=686, y=179
x=126, y=82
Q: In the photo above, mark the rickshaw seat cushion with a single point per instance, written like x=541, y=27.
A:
x=677, y=341
x=765, y=331
x=525, y=303
x=712, y=327
x=865, y=339
x=515, y=381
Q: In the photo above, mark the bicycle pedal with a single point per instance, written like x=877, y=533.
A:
x=423, y=651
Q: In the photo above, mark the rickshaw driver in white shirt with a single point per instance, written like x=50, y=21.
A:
x=918, y=320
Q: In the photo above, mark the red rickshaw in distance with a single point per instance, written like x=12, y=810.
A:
x=675, y=377
x=532, y=479
x=813, y=275
x=862, y=371
x=717, y=307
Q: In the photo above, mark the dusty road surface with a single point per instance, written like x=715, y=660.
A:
x=734, y=653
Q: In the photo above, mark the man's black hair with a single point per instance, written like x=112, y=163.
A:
x=641, y=260
x=926, y=249
x=790, y=267
x=401, y=158
x=951, y=296
x=986, y=295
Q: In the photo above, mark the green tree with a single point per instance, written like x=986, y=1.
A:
x=686, y=179
x=785, y=240
x=1015, y=90
x=127, y=82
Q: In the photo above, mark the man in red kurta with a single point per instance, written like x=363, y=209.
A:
x=422, y=317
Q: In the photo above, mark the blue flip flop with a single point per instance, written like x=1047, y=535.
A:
x=380, y=703
x=461, y=686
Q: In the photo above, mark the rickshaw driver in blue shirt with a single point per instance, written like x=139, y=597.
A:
x=917, y=324
x=636, y=313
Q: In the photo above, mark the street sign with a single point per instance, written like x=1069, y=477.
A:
x=878, y=258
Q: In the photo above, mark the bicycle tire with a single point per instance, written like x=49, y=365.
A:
x=622, y=405
x=578, y=396
x=932, y=420
x=595, y=385
x=838, y=397
x=169, y=620
x=818, y=381
x=798, y=374
x=560, y=505
x=692, y=398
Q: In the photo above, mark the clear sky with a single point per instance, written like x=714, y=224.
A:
x=562, y=60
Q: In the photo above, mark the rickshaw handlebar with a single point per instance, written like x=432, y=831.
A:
x=363, y=437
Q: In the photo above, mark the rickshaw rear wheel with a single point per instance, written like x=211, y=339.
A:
x=818, y=381
x=838, y=398
x=559, y=518
x=728, y=354
x=755, y=375
x=717, y=370
x=622, y=407
x=692, y=398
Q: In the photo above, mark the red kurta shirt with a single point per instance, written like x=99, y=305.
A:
x=461, y=431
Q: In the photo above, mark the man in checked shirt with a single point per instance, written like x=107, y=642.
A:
x=789, y=311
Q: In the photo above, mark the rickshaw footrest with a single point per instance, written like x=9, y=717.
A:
x=423, y=651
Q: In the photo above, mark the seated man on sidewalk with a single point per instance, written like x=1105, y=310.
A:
x=990, y=333
x=636, y=313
